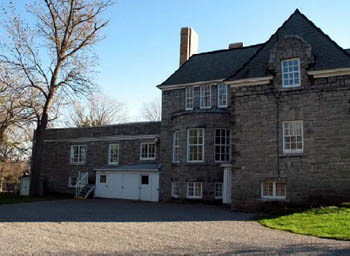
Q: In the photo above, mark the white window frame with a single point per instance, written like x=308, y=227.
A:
x=202, y=96
x=193, y=184
x=220, y=99
x=81, y=159
x=174, y=185
x=189, y=98
x=218, y=195
x=290, y=73
x=70, y=181
x=220, y=145
x=274, y=196
x=148, y=151
x=195, y=145
x=176, y=146
x=109, y=154
x=293, y=151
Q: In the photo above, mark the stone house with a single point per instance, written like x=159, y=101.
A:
x=245, y=126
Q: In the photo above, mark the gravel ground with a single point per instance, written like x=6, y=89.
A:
x=83, y=227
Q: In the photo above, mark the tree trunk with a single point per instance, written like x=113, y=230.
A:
x=38, y=147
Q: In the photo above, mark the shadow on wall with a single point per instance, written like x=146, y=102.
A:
x=105, y=210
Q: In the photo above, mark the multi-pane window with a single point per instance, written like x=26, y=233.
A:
x=222, y=145
x=113, y=154
x=189, y=98
x=176, y=146
x=218, y=190
x=175, y=189
x=148, y=151
x=195, y=145
x=194, y=189
x=205, y=96
x=290, y=73
x=274, y=189
x=78, y=154
x=293, y=139
x=222, y=95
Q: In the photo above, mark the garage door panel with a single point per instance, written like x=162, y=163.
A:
x=131, y=186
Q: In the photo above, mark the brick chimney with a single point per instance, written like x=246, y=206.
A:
x=188, y=44
x=235, y=45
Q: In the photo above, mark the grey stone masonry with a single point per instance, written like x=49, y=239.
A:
x=56, y=166
x=321, y=173
x=176, y=118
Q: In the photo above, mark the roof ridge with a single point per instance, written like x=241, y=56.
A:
x=264, y=44
x=325, y=35
x=225, y=50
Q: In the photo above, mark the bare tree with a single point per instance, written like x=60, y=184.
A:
x=54, y=57
x=152, y=110
x=98, y=110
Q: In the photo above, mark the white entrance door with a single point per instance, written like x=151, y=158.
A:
x=131, y=186
x=145, y=187
x=115, y=185
x=226, y=193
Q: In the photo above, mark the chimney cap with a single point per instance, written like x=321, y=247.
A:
x=235, y=45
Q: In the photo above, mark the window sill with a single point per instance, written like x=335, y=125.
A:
x=267, y=199
x=193, y=197
x=292, y=155
x=77, y=163
x=147, y=159
x=286, y=89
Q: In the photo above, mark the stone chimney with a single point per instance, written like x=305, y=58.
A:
x=235, y=45
x=188, y=44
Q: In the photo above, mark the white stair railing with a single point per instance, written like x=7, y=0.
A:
x=83, y=179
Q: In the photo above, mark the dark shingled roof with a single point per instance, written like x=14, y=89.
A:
x=328, y=55
x=251, y=61
x=211, y=65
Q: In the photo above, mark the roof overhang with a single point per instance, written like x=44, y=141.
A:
x=329, y=72
x=181, y=86
x=250, y=81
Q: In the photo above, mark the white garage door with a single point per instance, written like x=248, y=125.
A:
x=132, y=186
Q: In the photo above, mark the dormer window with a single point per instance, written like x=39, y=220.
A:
x=205, y=96
x=290, y=73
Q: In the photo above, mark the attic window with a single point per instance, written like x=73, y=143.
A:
x=290, y=73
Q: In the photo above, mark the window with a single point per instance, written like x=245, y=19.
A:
x=195, y=145
x=194, y=190
x=222, y=95
x=175, y=189
x=78, y=154
x=293, y=140
x=147, y=151
x=176, y=147
x=72, y=181
x=113, y=154
x=103, y=179
x=144, y=179
x=274, y=189
x=290, y=73
x=205, y=96
x=189, y=98
x=218, y=190
x=222, y=145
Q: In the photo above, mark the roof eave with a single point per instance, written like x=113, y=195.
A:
x=329, y=72
x=180, y=86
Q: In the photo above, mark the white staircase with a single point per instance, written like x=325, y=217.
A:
x=82, y=188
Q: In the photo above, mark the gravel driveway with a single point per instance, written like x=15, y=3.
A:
x=82, y=227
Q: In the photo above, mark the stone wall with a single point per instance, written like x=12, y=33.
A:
x=175, y=118
x=57, y=169
x=322, y=172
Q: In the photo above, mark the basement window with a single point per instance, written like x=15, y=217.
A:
x=194, y=189
x=218, y=190
x=273, y=189
x=175, y=191
x=290, y=73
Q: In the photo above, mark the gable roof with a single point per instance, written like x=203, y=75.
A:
x=328, y=55
x=210, y=66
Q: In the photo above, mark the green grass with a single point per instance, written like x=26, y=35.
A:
x=327, y=222
x=13, y=198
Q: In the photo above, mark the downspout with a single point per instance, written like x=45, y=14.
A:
x=278, y=95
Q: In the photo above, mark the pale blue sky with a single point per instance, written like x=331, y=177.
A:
x=142, y=45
